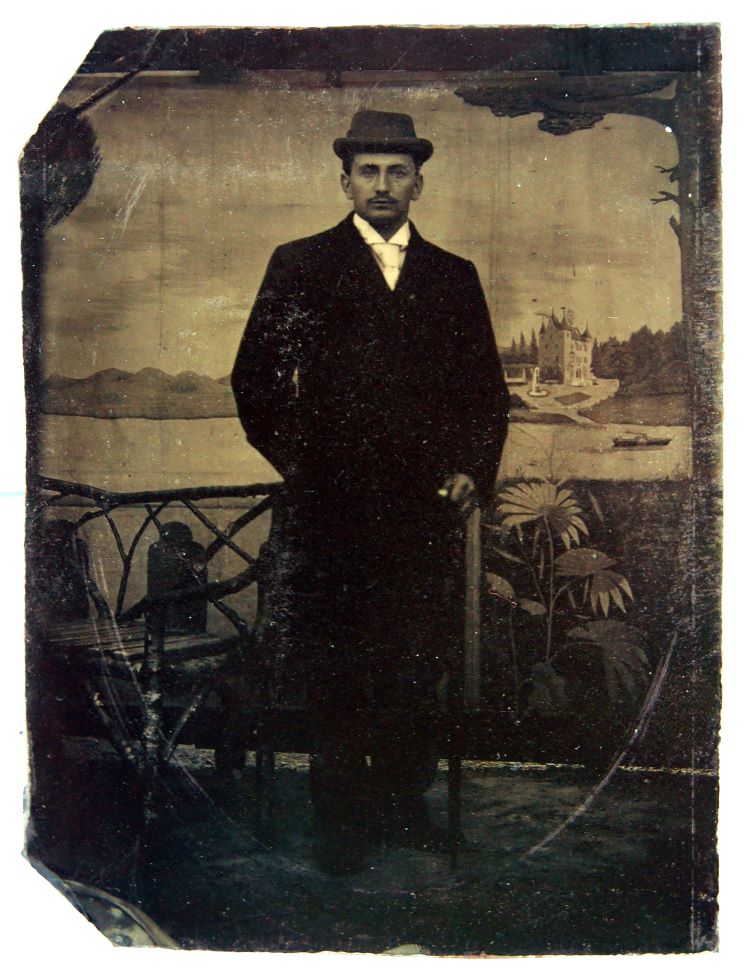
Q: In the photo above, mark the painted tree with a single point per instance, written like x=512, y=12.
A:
x=533, y=348
x=595, y=358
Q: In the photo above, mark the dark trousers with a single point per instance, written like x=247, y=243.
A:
x=369, y=615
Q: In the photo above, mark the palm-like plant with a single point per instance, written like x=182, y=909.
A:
x=541, y=528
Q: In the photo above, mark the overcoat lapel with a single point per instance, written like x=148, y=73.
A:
x=356, y=273
x=410, y=280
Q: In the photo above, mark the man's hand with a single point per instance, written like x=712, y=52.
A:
x=460, y=490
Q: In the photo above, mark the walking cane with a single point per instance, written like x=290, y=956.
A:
x=464, y=677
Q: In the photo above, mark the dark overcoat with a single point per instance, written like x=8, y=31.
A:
x=366, y=400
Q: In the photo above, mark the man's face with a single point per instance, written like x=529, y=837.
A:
x=381, y=187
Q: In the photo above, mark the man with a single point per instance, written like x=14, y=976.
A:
x=369, y=377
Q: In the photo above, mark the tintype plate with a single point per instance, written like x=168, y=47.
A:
x=566, y=801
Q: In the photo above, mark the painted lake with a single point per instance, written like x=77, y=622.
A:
x=136, y=453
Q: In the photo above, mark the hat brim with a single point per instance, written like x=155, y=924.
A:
x=420, y=149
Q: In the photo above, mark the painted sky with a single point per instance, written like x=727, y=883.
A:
x=159, y=265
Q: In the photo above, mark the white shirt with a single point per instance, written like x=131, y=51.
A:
x=390, y=255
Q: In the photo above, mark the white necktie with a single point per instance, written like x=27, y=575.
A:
x=388, y=257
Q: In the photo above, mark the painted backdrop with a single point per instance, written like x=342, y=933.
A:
x=592, y=224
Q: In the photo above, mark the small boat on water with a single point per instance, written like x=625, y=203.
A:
x=638, y=440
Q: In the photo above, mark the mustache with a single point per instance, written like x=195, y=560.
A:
x=382, y=200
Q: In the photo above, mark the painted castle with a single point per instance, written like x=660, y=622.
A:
x=564, y=352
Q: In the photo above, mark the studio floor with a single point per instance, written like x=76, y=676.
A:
x=233, y=865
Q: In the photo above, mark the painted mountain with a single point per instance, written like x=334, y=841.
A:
x=149, y=393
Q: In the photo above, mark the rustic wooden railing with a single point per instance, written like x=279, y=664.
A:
x=114, y=643
x=134, y=649
x=104, y=503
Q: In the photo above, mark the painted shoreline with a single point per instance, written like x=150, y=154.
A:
x=135, y=453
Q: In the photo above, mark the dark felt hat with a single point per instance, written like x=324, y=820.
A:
x=382, y=132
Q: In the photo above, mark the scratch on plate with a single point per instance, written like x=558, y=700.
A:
x=136, y=188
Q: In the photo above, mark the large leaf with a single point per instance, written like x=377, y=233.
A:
x=607, y=631
x=507, y=556
x=608, y=584
x=582, y=561
x=596, y=506
x=530, y=502
x=500, y=587
x=625, y=663
x=533, y=608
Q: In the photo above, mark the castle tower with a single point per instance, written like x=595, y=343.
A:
x=565, y=352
